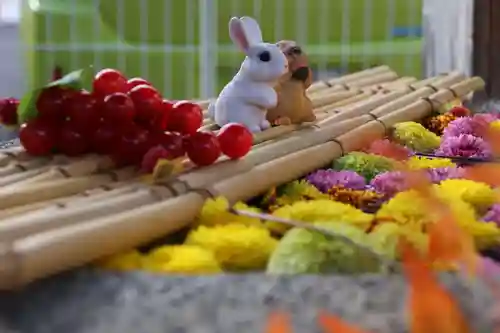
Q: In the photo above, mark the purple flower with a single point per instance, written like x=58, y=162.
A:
x=493, y=215
x=486, y=117
x=474, y=125
x=489, y=268
x=437, y=175
x=324, y=180
x=464, y=145
x=391, y=182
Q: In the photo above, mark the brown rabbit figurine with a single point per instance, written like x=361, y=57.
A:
x=294, y=107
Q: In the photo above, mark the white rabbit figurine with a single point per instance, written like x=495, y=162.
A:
x=250, y=93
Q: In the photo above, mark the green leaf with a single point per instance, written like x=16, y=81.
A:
x=27, y=106
x=74, y=80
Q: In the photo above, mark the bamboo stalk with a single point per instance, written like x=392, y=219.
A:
x=320, y=85
x=78, y=168
x=21, y=176
x=18, y=167
x=95, y=194
x=427, y=81
x=43, y=191
x=363, y=107
x=400, y=83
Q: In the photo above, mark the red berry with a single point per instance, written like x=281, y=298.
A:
x=203, y=148
x=136, y=81
x=51, y=103
x=147, y=100
x=71, y=141
x=83, y=111
x=158, y=119
x=185, y=118
x=161, y=119
x=105, y=138
x=109, y=81
x=38, y=137
x=172, y=142
x=132, y=146
x=151, y=158
x=460, y=111
x=118, y=108
x=8, y=111
x=235, y=140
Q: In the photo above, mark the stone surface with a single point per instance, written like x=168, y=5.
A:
x=88, y=301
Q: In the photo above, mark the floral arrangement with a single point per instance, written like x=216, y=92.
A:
x=350, y=217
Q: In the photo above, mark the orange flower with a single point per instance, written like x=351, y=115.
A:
x=333, y=324
x=488, y=173
x=278, y=322
x=426, y=295
x=448, y=243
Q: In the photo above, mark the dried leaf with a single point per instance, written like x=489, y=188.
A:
x=165, y=169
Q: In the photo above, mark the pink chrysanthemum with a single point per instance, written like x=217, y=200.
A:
x=464, y=145
x=324, y=180
x=437, y=175
x=391, y=182
x=475, y=125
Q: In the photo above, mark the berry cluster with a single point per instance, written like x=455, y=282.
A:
x=124, y=119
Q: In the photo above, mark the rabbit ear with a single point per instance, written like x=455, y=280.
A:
x=252, y=30
x=237, y=34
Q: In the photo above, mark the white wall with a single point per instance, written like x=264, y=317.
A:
x=448, y=27
x=12, y=74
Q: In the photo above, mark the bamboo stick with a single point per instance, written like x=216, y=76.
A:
x=77, y=168
x=21, y=176
x=427, y=81
x=95, y=194
x=43, y=191
x=320, y=85
x=18, y=167
x=49, y=252
x=400, y=83
x=395, y=99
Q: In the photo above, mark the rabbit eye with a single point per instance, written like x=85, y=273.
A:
x=265, y=56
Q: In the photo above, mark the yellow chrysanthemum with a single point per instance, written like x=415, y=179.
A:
x=299, y=190
x=128, y=261
x=495, y=125
x=181, y=259
x=480, y=195
x=416, y=136
x=236, y=246
x=409, y=210
x=303, y=251
x=321, y=211
x=215, y=211
x=385, y=238
x=420, y=162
